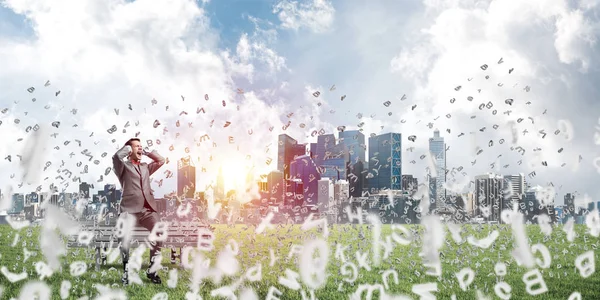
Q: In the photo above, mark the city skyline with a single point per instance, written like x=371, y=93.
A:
x=302, y=180
x=187, y=162
x=333, y=197
x=256, y=80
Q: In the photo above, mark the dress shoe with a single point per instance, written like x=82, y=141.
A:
x=154, y=278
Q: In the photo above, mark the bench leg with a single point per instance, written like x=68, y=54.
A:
x=173, y=256
x=103, y=256
x=98, y=259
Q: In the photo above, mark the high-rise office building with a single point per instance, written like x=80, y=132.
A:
x=186, y=178
x=532, y=205
x=110, y=192
x=410, y=183
x=385, y=163
x=312, y=150
x=32, y=198
x=325, y=194
x=437, y=147
x=515, y=185
x=332, y=158
x=101, y=197
x=287, y=149
x=325, y=143
x=61, y=199
x=550, y=210
x=54, y=199
x=469, y=200
x=18, y=204
x=488, y=196
x=263, y=186
x=294, y=194
x=336, y=163
x=357, y=179
x=341, y=191
x=84, y=190
x=354, y=141
x=569, y=208
x=559, y=214
x=276, y=187
x=459, y=205
x=305, y=169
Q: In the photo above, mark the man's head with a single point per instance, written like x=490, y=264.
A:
x=136, y=149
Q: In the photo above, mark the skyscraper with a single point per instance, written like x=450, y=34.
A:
x=332, y=158
x=312, y=150
x=341, y=193
x=84, y=190
x=276, y=187
x=32, y=198
x=569, y=206
x=305, y=169
x=488, y=196
x=186, y=178
x=110, y=191
x=357, y=179
x=18, y=204
x=532, y=205
x=385, y=162
x=325, y=194
x=54, y=199
x=335, y=163
x=515, y=186
x=325, y=143
x=287, y=149
x=409, y=183
x=437, y=147
x=354, y=140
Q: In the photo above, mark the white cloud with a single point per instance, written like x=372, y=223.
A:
x=432, y=48
x=254, y=50
x=243, y=48
x=461, y=37
x=316, y=15
x=413, y=63
x=107, y=55
x=574, y=36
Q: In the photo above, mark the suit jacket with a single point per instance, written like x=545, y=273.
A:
x=135, y=180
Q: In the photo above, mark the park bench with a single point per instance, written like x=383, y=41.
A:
x=180, y=235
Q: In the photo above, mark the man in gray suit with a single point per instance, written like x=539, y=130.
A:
x=137, y=199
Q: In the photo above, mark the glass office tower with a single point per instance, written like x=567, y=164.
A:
x=385, y=163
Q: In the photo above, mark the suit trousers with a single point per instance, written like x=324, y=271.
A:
x=147, y=218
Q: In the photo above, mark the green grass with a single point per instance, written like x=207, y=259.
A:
x=562, y=278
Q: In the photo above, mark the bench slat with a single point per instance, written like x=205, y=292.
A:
x=180, y=234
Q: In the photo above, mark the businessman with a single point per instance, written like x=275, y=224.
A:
x=137, y=199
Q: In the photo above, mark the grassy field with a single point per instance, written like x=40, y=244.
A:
x=562, y=277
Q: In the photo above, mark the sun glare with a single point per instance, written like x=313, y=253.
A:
x=235, y=173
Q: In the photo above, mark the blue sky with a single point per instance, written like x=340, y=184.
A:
x=230, y=18
x=104, y=55
x=14, y=25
